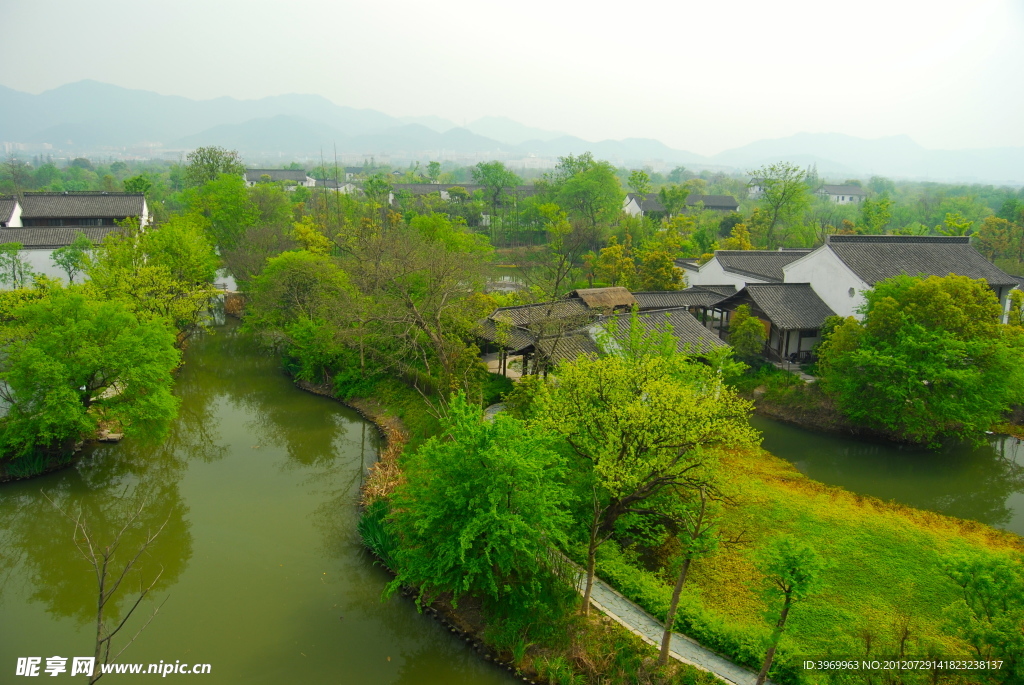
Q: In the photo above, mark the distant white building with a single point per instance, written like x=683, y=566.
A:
x=844, y=194
x=297, y=177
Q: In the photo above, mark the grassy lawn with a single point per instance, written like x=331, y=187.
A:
x=883, y=569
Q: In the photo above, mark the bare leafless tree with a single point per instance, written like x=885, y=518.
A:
x=110, y=576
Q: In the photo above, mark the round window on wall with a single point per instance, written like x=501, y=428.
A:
x=852, y=292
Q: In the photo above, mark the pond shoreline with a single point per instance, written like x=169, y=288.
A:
x=384, y=475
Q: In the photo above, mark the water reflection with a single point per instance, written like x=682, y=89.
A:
x=983, y=483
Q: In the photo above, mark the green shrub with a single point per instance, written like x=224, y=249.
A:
x=376, y=533
x=494, y=387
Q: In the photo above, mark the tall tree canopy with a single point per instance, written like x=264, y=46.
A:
x=784, y=195
x=206, y=164
x=482, y=511
x=72, y=362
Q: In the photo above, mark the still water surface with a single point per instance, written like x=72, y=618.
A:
x=983, y=483
x=262, y=571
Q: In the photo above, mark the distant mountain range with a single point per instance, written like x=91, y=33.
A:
x=92, y=117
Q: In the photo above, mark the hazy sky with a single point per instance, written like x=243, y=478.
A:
x=702, y=77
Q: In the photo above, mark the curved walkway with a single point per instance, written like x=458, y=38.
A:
x=650, y=629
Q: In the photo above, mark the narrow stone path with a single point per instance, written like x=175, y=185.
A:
x=649, y=629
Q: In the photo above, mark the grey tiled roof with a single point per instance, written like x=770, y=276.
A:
x=297, y=175
x=52, y=238
x=877, y=257
x=650, y=202
x=517, y=340
x=698, y=296
x=7, y=205
x=723, y=290
x=96, y=205
x=689, y=334
x=527, y=315
x=790, y=306
x=764, y=264
x=428, y=188
x=842, y=190
x=720, y=202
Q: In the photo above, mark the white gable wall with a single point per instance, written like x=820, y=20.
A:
x=632, y=208
x=15, y=220
x=830, y=278
x=712, y=273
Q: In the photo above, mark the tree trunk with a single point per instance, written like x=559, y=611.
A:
x=776, y=636
x=666, y=637
x=591, y=560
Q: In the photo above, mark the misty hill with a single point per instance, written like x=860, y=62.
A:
x=510, y=132
x=89, y=117
x=839, y=154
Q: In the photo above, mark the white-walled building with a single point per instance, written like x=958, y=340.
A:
x=843, y=194
x=740, y=267
x=297, y=177
x=43, y=222
x=846, y=266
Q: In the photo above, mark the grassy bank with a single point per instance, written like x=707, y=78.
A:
x=883, y=574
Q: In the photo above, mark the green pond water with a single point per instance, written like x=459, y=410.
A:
x=982, y=483
x=263, y=575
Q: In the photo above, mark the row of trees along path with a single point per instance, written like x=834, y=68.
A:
x=650, y=629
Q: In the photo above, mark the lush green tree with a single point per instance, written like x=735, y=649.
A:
x=794, y=569
x=226, y=203
x=932, y=352
x=746, y=333
x=990, y=612
x=205, y=164
x=482, y=512
x=673, y=198
x=784, y=195
x=302, y=301
x=434, y=171
x=587, y=189
x=876, y=214
x=640, y=183
x=73, y=259
x=615, y=264
x=998, y=238
x=72, y=364
x=162, y=273
x=657, y=271
x=15, y=270
x=640, y=421
x=137, y=184
x=495, y=179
